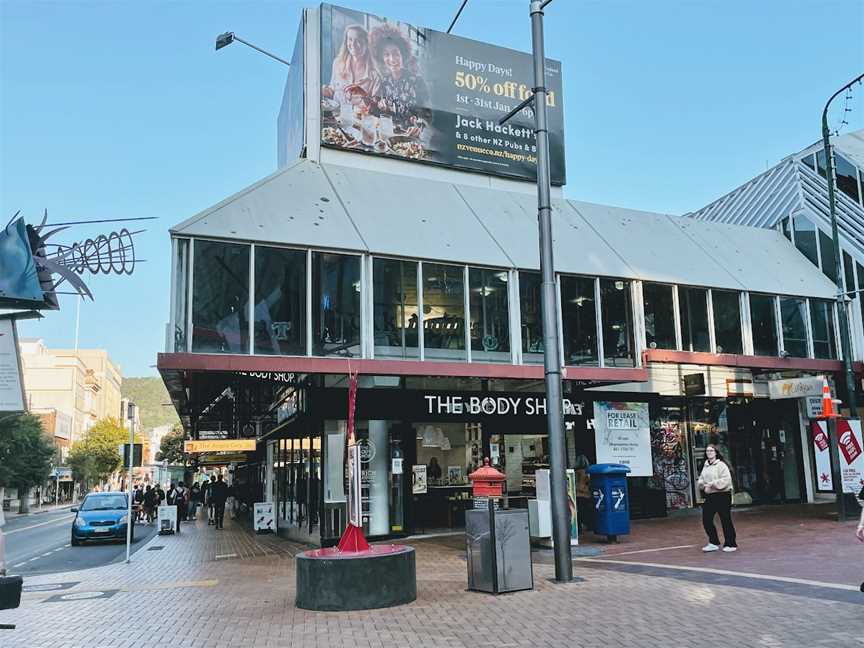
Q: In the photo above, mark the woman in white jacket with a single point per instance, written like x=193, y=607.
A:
x=716, y=484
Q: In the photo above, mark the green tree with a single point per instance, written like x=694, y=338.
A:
x=26, y=455
x=96, y=456
x=171, y=447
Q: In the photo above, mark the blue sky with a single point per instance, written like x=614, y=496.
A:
x=123, y=109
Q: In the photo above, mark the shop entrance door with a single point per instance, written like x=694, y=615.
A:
x=765, y=447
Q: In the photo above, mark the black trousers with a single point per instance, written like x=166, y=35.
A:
x=219, y=513
x=719, y=504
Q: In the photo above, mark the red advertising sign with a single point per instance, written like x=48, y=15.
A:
x=849, y=445
x=820, y=437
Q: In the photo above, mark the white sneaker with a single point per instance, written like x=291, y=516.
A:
x=710, y=547
x=730, y=549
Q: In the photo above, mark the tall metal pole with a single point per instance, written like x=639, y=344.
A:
x=551, y=358
x=129, y=484
x=845, y=336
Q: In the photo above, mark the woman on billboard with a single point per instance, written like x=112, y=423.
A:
x=400, y=92
x=353, y=72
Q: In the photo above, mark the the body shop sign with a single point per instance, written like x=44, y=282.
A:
x=531, y=405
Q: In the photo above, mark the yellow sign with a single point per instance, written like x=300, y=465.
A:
x=220, y=445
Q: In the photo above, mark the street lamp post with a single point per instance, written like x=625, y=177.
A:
x=130, y=414
x=845, y=336
x=225, y=39
x=551, y=357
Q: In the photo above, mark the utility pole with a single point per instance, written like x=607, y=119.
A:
x=842, y=315
x=130, y=414
x=551, y=357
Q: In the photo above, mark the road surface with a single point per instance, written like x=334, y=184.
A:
x=39, y=544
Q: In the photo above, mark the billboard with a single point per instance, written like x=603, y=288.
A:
x=290, y=125
x=397, y=90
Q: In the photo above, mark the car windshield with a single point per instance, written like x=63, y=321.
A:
x=104, y=502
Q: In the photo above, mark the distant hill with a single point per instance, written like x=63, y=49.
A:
x=149, y=394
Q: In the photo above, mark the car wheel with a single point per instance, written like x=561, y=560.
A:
x=75, y=541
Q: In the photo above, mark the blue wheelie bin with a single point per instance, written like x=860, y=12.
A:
x=611, y=501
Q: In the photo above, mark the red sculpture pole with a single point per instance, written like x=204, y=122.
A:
x=352, y=539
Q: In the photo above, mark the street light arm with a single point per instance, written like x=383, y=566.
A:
x=229, y=37
x=857, y=79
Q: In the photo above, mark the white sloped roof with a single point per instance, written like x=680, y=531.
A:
x=341, y=208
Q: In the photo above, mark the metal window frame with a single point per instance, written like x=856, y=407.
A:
x=251, y=307
x=746, y=323
x=421, y=338
x=808, y=325
x=637, y=312
x=598, y=316
x=309, y=302
x=190, y=295
x=676, y=316
x=778, y=326
x=709, y=305
x=515, y=317
x=466, y=306
x=560, y=318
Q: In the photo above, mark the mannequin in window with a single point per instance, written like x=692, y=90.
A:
x=434, y=469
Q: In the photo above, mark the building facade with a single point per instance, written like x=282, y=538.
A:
x=424, y=280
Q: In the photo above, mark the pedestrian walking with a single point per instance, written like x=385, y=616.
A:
x=208, y=500
x=859, y=532
x=174, y=498
x=219, y=495
x=715, y=482
x=194, y=500
x=150, y=503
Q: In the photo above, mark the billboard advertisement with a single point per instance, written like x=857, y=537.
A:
x=396, y=90
x=622, y=432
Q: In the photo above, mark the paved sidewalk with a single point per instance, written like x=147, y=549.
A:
x=233, y=588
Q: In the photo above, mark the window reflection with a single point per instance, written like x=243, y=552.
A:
x=181, y=287
x=822, y=323
x=805, y=238
x=395, y=308
x=280, y=301
x=532, y=316
x=336, y=304
x=659, y=316
x=764, y=325
x=693, y=303
x=579, y=321
x=727, y=321
x=488, y=305
x=220, y=320
x=443, y=311
x=617, y=317
x=847, y=178
x=793, y=313
x=826, y=247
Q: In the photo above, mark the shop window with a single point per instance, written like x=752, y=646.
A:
x=847, y=178
x=490, y=315
x=727, y=321
x=579, y=321
x=280, y=301
x=181, y=292
x=808, y=160
x=531, y=306
x=669, y=457
x=826, y=247
x=443, y=312
x=693, y=303
x=793, y=313
x=617, y=318
x=805, y=238
x=336, y=294
x=297, y=471
x=659, y=316
x=763, y=325
x=822, y=324
x=220, y=298
x=395, y=313
x=709, y=424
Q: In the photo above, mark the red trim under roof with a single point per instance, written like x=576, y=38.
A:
x=746, y=362
x=218, y=362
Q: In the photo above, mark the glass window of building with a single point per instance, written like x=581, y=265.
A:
x=395, y=308
x=579, y=321
x=820, y=162
x=280, y=301
x=848, y=272
x=617, y=318
x=785, y=228
x=805, y=238
x=763, y=325
x=693, y=303
x=808, y=160
x=727, y=321
x=490, y=323
x=532, y=316
x=822, y=323
x=847, y=178
x=826, y=247
x=659, y=316
x=443, y=311
x=220, y=298
x=859, y=270
x=181, y=292
x=793, y=314
x=335, y=304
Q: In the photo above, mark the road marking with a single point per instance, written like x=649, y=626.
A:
x=231, y=555
x=638, y=551
x=726, y=572
x=47, y=553
x=64, y=520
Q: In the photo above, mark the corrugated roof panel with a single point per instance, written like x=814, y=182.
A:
x=413, y=217
x=294, y=206
x=762, y=260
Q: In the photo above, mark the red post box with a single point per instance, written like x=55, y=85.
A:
x=486, y=481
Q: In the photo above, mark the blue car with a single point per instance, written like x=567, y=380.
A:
x=101, y=516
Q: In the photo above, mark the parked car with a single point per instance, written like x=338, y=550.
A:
x=101, y=516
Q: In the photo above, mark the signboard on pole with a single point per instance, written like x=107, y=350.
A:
x=795, y=387
x=264, y=519
x=622, y=433
x=397, y=90
x=851, y=449
x=136, y=455
x=822, y=455
x=11, y=385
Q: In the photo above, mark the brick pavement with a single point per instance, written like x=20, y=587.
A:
x=183, y=595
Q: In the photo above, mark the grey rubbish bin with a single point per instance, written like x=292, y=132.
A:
x=499, y=550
